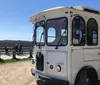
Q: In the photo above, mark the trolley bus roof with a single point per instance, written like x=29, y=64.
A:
x=82, y=8
x=33, y=18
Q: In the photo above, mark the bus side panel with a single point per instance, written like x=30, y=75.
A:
x=82, y=58
x=92, y=58
x=77, y=62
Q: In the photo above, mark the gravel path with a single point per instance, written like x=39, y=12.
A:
x=19, y=74
x=16, y=74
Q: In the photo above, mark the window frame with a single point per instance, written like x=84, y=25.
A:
x=55, y=34
x=84, y=31
x=97, y=31
x=37, y=44
x=56, y=31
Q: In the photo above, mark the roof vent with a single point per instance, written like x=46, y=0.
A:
x=87, y=9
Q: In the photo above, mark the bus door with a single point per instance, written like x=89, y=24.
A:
x=57, y=40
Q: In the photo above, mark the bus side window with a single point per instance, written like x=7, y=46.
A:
x=92, y=32
x=78, y=31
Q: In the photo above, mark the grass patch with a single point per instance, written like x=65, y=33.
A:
x=14, y=60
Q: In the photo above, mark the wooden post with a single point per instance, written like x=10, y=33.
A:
x=31, y=53
x=0, y=54
x=14, y=54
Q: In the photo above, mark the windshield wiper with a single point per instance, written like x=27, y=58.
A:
x=40, y=39
x=60, y=40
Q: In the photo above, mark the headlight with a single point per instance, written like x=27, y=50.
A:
x=58, y=68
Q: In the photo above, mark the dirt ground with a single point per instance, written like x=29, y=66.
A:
x=16, y=74
x=19, y=74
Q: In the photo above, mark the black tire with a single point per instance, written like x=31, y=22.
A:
x=86, y=77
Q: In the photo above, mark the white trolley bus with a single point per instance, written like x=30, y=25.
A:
x=67, y=45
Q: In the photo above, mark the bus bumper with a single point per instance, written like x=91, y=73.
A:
x=33, y=71
x=37, y=75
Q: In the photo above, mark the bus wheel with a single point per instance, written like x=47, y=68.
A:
x=87, y=77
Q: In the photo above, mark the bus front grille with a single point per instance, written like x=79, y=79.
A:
x=40, y=61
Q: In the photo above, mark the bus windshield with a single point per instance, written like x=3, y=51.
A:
x=55, y=29
x=39, y=32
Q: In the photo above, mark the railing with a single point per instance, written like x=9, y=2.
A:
x=11, y=51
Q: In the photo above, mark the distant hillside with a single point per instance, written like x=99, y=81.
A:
x=11, y=43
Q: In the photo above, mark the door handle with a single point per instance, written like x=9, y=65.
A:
x=99, y=53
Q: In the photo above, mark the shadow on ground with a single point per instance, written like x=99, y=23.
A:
x=49, y=82
x=46, y=82
x=1, y=60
